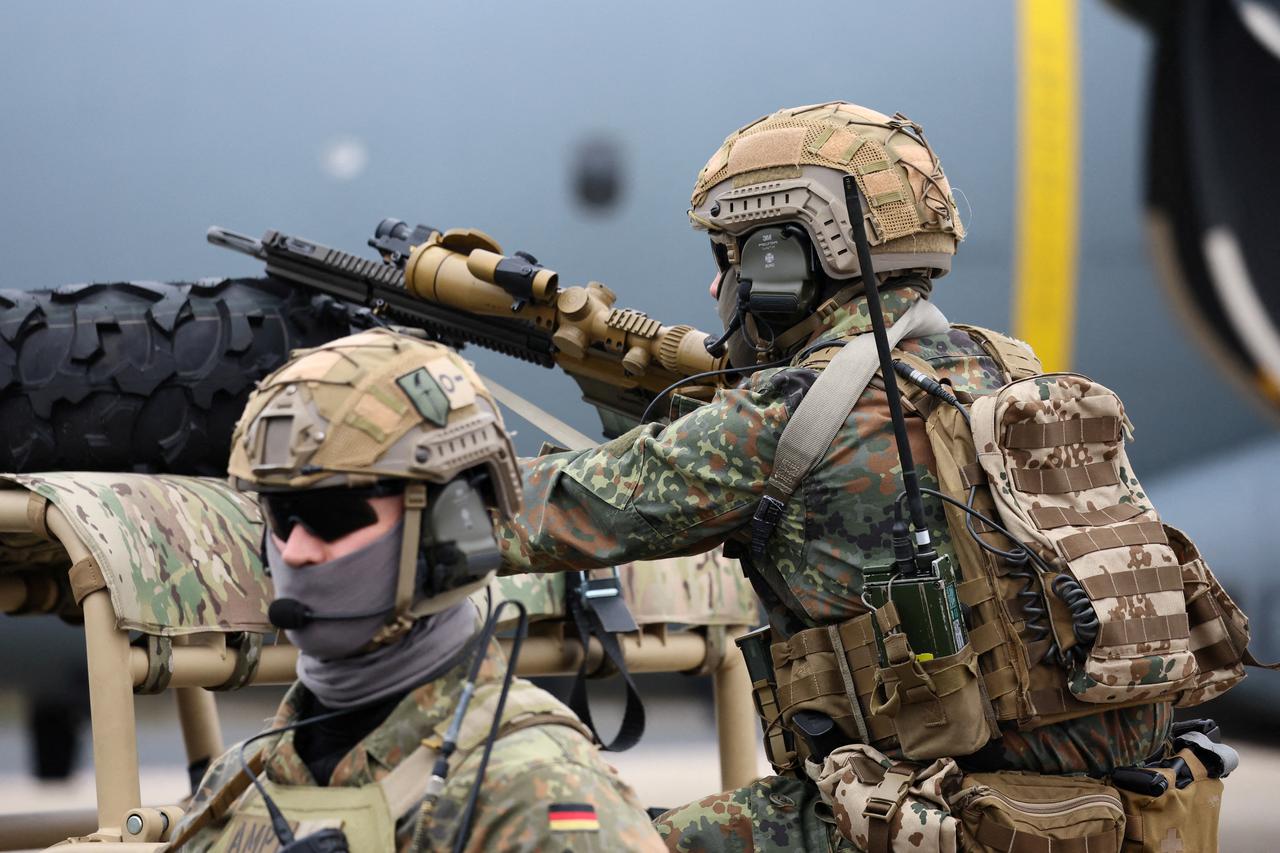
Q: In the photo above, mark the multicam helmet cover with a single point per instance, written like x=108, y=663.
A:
x=790, y=167
x=368, y=407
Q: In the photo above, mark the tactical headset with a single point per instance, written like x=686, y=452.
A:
x=778, y=281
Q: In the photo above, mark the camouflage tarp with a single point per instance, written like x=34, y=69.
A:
x=706, y=589
x=179, y=554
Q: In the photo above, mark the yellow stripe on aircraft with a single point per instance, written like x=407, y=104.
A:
x=1048, y=185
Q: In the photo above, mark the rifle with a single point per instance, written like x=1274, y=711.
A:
x=458, y=288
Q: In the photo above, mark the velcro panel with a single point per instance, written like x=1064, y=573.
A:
x=1141, y=581
x=1140, y=533
x=1029, y=435
x=779, y=147
x=1144, y=629
x=1049, y=517
x=1056, y=481
x=839, y=146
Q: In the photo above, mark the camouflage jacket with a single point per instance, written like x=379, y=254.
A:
x=694, y=484
x=532, y=772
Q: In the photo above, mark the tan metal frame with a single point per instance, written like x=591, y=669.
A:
x=115, y=669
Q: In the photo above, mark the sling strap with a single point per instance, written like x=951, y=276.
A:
x=811, y=429
x=599, y=612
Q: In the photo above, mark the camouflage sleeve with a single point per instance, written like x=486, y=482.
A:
x=223, y=769
x=547, y=789
x=652, y=492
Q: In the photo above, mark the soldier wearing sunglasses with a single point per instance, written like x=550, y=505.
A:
x=381, y=464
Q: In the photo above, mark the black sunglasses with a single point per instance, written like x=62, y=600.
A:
x=327, y=514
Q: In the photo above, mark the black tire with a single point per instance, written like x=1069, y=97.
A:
x=143, y=376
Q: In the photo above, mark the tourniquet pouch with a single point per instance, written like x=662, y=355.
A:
x=881, y=805
x=1017, y=812
x=1052, y=447
x=936, y=704
x=1180, y=818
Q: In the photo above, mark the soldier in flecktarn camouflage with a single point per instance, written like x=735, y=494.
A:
x=380, y=462
x=789, y=291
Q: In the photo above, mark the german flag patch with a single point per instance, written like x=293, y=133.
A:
x=572, y=817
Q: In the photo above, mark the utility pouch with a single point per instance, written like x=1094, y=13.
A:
x=1175, y=808
x=936, y=703
x=1052, y=447
x=1036, y=813
x=831, y=671
x=882, y=805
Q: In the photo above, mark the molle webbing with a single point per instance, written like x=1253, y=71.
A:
x=1144, y=629
x=1143, y=581
x=1061, y=433
x=1057, y=481
x=1139, y=533
x=1050, y=517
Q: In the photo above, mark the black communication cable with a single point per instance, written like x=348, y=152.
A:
x=325, y=839
x=782, y=362
x=517, y=642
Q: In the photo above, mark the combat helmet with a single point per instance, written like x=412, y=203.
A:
x=774, y=191
x=380, y=407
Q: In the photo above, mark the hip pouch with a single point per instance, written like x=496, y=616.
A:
x=1175, y=803
x=1036, y=813
x=1052, y=447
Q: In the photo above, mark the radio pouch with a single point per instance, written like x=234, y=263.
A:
x=936, y=703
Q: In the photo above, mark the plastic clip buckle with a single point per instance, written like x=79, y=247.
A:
x=768, y=512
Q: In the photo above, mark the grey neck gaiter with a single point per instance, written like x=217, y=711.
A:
x=330, y=664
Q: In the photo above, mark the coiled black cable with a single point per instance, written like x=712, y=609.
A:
x=1084, y=619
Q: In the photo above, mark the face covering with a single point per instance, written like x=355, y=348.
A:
x=330, y=661
x=361, y=581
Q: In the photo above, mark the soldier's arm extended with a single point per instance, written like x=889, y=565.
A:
x=653, y=491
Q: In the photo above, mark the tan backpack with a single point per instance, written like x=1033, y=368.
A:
x=1107, y=607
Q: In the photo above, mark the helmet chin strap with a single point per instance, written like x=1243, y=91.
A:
x=401, y=619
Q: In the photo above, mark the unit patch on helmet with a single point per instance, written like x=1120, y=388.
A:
x=452, y=381
x=426, y=395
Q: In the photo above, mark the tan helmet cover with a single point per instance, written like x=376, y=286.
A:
x=790, y=167
x=372, y=406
